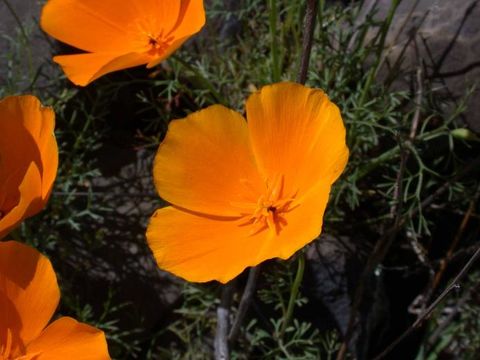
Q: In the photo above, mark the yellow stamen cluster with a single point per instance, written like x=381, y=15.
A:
x=159, y=44
x=269, y=210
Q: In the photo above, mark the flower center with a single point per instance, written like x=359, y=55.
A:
x=6, y=348
x=158, y=44
x=10, y=350
x=270, y=209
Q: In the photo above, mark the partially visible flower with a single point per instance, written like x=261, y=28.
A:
x=242, y=193
x=119, y=34
x=28, y=159
x=29, y=295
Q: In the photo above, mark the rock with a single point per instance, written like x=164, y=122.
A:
x=12, y=41
x=447, y=36
x=333, y=271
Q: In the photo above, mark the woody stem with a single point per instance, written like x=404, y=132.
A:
x=223, y=314
x=247, y=296
x=308, y=30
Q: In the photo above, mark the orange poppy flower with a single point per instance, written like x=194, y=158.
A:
x=29, y=295
x=119, y=34
x=28, y=159
x=244, y=192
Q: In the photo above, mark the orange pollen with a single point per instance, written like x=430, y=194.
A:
x=270, y=215
x=159, y=44
x=270, y=209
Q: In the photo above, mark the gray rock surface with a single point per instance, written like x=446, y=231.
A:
x=446, y=42
x=26, y=11
x=14, y=46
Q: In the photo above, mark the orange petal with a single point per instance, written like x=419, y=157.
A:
x=155, y=60
x=39, y=121
x=29, y=199
x=68, y=339
x=205, y=163
x=27, y=279
x=28, y=143
x=202, y=248
x=10, y=342
x=296, y=132
x=82, y=69
x=119, y=33
x=179, y=19
x=92, y=25
x=18, y=146
x=190, y=20
x=119, y=26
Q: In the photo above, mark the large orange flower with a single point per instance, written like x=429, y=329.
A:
x=29, y=295
x=118, y=34
x=28, y=158
x=243, y=192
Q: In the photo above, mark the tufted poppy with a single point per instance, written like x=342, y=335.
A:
x=28, y=159
x=119, y=34
x=29, y=295
x=244, y=192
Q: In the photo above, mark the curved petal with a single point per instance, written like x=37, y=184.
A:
x=49, y=154
x=18, y=147
x=159, y=16
x=66, y=338
x=155, y=60
x=28, y=195
x=82, y=69
x=28, y=158
x=10, y=342
x=296, y=132
x=117, y=34
x=39, y=121
x=92, y=25
x=202, y=248
x=190, y=20
x=205, y=163
x=119, y=26
x=27, y=279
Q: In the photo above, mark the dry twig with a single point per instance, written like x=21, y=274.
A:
x=426, y=314
x=244, y=303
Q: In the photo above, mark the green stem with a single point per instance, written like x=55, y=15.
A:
x=393, y=153
x=375, y=163
x=321, y=16
x=293, y=295
x=276, y=73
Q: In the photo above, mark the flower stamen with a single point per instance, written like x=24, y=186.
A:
x=6, y=348
x=158, y=43
x=270, y=208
